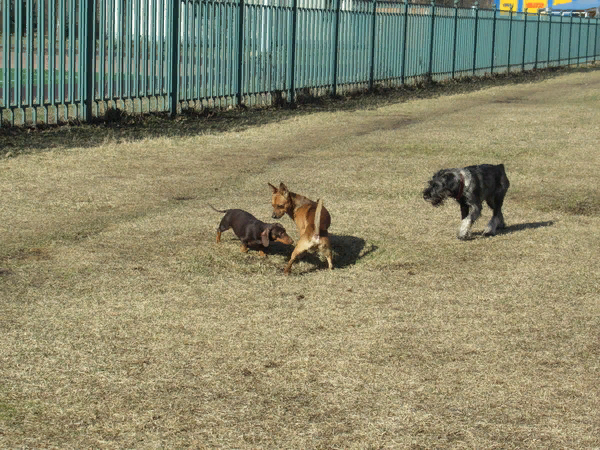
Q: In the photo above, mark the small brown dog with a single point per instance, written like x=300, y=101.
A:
x=250, y=230
x=307, y=214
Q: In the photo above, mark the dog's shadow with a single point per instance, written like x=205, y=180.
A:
x=347, y=251
x=525, y=226
x=274, y=248
x=519, y=227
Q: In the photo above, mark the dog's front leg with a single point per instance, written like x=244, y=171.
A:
x=474, y=211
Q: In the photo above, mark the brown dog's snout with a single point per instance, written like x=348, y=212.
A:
x=274, y=216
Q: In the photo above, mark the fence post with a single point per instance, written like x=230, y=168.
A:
x=240, y=68
x=431, y=38
x=455, y=32
x=336, y=42
x=373, y=35
x=560, y=27
x=493, y=38
x=90, y=48
x=509, y=38
x=524, y=40
x=579, y=41
x=293, y=62
x=404, y=43
x=476, y=6
x=570, y=39
x=587, y=42
x=175, y=49
x=549, y=39
x=537, y=40
x=596, y=38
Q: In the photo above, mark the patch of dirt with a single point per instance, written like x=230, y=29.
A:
x=33, y=254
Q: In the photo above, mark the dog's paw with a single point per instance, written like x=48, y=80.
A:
x=489, y=232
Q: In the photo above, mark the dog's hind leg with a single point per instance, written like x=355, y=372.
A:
x=302, y=245
x=497, y=220
x=325, y=249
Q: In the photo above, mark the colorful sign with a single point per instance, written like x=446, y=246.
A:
x=532, y=6
x=529, y=6
x=506, y=5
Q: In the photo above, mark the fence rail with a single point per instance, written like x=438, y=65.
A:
x=72, y=59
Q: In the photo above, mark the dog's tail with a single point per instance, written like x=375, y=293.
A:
x=316, y=236
x=215, y=209
x=504, y=179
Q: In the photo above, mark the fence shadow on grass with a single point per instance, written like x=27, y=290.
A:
x=123, y=127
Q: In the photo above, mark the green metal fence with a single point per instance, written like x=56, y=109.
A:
x=72, y=59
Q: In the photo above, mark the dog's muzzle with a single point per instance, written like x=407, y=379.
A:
x=432, y=196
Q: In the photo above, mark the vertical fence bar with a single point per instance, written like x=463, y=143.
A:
x=119, y=17
x=61, y=58
x=431, y=40
x=160, y=82
x=493, y=39
x=336, y=43
x=127, y=42
x=102, y=54
x=184, y=51
x=90, y=66
x=6, y=61
x=537, y=40
x=549, y=39
x=587, y=41
x=110, y=50
x=240, y=66
x=145, y=18
x=152, y=61
x=29, y=58
x=41, y=50
x=168, y=37
x=403, y=71
x=455, y=38
x=18, y=49
x=525, y=13
x=579, y=41
x=175, y=57
x=509, y=38
x=293, y=52
x=560, y=27
x=372, y=62
x=476, y=6
x=135, y=91
x=570, y=39
x=72, y=53
x=596, y=38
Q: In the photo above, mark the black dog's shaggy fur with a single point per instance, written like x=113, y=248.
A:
x=470, y=186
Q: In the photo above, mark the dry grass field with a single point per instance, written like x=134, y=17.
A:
x=125, y=325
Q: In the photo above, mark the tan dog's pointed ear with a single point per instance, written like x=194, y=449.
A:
x=273, y=188
x=283, y=190
x=264, y=237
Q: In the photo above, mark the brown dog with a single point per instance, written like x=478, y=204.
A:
x=306, y=214
x=250, y=230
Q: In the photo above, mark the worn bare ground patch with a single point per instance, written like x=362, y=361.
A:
x=124, y=324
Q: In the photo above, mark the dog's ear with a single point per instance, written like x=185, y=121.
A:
x=283, y=190
x=273, y=188
x=264, y=237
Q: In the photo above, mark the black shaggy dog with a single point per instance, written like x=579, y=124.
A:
x=470, y=186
